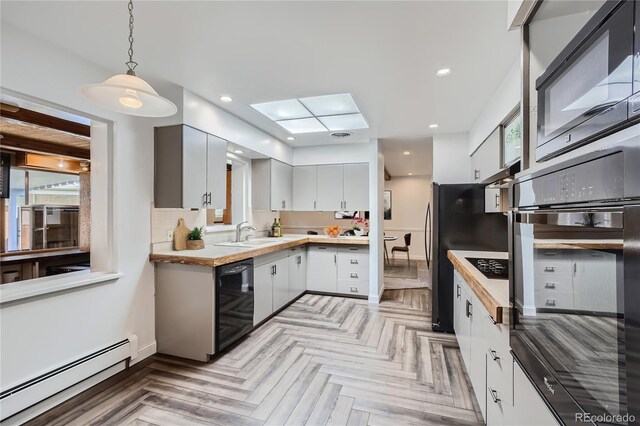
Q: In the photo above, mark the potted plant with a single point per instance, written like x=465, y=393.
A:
x=194, y=239
x=360, y=226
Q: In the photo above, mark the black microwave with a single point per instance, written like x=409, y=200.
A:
x=593, y=87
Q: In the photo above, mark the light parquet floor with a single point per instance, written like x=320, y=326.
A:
x=322, y=361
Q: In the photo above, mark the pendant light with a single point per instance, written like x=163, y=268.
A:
x=127, y=93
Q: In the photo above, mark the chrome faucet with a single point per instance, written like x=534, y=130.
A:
x=240, y=228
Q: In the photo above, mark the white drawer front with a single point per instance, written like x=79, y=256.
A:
x=352, y=260
x=554, y=300
x=353, y=272
x=355, y=287
x=354, y=249
x=554, y=283
x=552, y=266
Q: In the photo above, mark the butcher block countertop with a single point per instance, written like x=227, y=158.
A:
x=218, y=255
x=494, y=294
x=578, y=244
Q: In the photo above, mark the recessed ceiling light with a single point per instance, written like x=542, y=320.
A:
x=406, y=153
x=331, y=104
x=226, y=98
x=340, y=135
x=433, y=126
x=303, y=125
x=410, y=174
x=283, y=110
x=337, y=123
x=238, y=151
x=443, y=71
x=291, y=138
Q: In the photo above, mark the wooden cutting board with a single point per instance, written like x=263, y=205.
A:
x=180, y=236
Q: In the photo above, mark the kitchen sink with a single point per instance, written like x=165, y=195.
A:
x=257, y=242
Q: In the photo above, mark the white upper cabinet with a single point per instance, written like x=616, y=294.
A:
x=330, y=188
x=190, y=168
x=356, y=187
x=271, y=185
x=304, y=188
x=216, y=172
x=486, y=160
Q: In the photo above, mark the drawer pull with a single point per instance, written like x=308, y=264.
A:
x=458, y=291
x=550, y=285
x=354, y=261
x=494, y=322
x=299, y=260
x=354, y=275
x=494, y=395
x=494, y=354
x=551, y=302
x=550, y=253
x=353, y=289
x=353, y=248
x=549, y=268
x=469, y=309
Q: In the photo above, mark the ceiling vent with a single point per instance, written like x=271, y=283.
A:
x=341, y=135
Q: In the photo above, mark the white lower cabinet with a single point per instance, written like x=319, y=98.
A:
x=297, y=272
x=281, y=283
x=343, y=270
x=322, y=268
x=505, y=395
x=262, y=292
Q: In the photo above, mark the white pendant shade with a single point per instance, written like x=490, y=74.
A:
x=131, y=95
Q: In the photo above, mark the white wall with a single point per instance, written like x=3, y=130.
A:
x=376, y=222
x=331, y=154
x=503, y=101
x=49, y=331
x=451, y=160
x=409, y=199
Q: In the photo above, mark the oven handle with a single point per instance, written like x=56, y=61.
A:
x=606, y=219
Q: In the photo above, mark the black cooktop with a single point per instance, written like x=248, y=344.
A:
x=497, y=269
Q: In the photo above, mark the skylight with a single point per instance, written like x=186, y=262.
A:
x=314, y=114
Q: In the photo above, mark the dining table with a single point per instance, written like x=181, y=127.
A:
x=386, y=252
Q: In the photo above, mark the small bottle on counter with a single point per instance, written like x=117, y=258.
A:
x=279, y=228
x=273, y=228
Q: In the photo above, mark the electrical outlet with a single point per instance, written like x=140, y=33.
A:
x=170, y=235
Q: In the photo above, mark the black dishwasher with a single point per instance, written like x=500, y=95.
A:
x=234, y=302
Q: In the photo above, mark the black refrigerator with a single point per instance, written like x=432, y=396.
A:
x=459, y=222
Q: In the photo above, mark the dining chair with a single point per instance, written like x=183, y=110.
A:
x=407, y=243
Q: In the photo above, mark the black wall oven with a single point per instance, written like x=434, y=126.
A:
x=593, y=86
x=575, y=285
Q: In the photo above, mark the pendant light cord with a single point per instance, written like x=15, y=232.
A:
x=131, y=64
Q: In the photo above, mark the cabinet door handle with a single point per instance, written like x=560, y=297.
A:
x=354, y=261
x=476, y=174
x=458, y=291
x=550, y=285
x=299, y=260
x=550, y=302
x=497, y=200
x=204, y=199
x=314, y=205
x=494, y=395
x=283, y=203
x=335, y=260
x=493, y=354
x=209, y=199
x=549, y=268
x=354, y=275
x=469, y=309
x=345, y=205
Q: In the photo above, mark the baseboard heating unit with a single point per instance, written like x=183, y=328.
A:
x=37, y=389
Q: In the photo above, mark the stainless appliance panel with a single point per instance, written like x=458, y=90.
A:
x=584, y=92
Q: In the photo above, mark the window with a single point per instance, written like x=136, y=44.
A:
x=512, y=140
x=223, y=216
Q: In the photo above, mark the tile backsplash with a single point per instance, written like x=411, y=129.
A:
x=164, y=220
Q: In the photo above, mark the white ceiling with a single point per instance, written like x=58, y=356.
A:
x=384, y=53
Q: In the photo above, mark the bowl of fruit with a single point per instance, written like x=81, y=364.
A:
x=332, y=231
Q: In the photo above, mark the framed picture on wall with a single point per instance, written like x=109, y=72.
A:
x=512, y=141
x=387, y=205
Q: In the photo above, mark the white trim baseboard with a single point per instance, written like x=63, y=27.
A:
x=146, y=352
